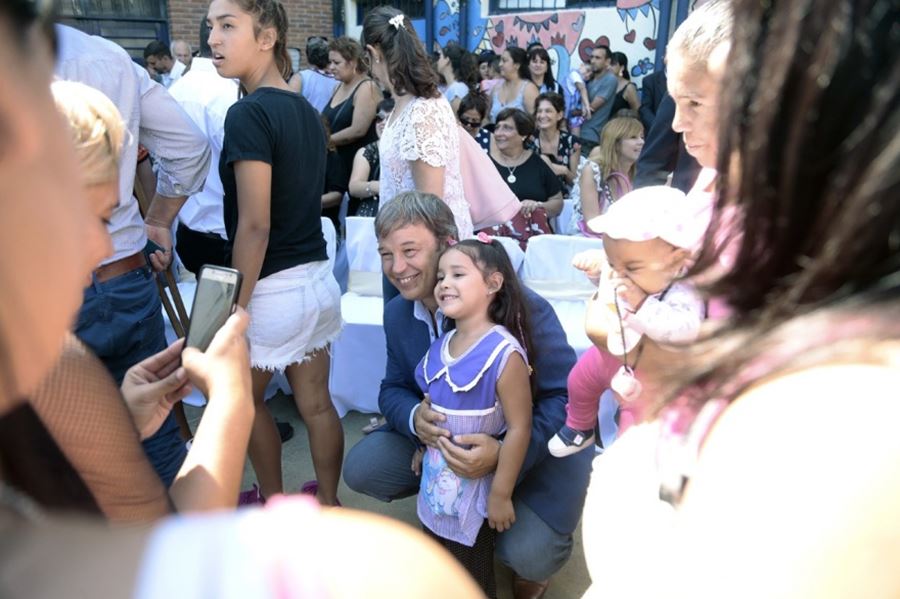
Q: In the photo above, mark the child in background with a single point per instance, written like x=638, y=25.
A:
x=477, y=375
x=578, y=105
x=648, y=238
x=493, y=75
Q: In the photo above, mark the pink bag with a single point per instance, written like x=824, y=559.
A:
x=491, y=201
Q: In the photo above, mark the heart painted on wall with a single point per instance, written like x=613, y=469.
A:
x=630, y=36
x=586, y=46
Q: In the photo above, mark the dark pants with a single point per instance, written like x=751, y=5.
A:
x=121, y=321
x=478, y=559
x=196, y=249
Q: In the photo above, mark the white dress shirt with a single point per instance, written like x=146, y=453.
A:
x=152, y=117
x=173, y=75
x=206, y=98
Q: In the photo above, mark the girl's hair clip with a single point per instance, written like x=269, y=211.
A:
x=451, y=242
x=397, y=22
x=484, y=237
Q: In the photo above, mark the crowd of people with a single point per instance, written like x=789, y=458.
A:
x=745, y=317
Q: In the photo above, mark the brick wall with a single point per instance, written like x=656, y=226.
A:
x=305, y=17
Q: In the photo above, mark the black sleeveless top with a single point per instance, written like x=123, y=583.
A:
x=619, y=101
x=339, y=118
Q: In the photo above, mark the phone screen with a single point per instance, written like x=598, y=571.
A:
x=216, y=293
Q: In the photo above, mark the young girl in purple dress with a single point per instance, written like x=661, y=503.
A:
x=477, y=375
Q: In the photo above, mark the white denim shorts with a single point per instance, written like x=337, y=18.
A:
x=293, y=313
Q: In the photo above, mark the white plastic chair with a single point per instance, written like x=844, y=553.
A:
x=548, y=270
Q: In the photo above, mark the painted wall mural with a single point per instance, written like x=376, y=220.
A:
x=569, y=35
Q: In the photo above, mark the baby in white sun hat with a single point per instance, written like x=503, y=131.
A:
x=649, y=236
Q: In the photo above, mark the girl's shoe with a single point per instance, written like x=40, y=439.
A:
x=568, y=441
x=251, y=497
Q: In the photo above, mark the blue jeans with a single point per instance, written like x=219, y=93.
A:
x=378, y=466
x=121, y=321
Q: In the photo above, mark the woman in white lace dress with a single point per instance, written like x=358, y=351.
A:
x=420, y=144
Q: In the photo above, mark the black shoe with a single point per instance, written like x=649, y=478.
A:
x=285, y=431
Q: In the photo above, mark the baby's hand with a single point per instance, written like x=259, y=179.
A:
x=630, y=293
x=501, y=514
x=592, y=262
x=417, y=458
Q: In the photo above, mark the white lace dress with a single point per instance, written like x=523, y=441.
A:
x=425, y=130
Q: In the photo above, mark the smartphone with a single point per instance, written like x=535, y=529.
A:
x=217, y=291
x=151, y=248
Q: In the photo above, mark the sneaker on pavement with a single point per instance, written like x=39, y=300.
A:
x=251, y=497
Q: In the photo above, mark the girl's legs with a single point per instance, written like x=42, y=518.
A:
x=477, y=559
x=309, y=382
x=587, y=381
x=265, y=445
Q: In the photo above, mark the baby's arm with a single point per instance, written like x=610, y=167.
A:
x=674, y=319
x=592, y=263
x=515, y=396
x=585, y=99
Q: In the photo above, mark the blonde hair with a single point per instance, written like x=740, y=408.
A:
x=606, y=153
x=702, y=32
x=96, y=127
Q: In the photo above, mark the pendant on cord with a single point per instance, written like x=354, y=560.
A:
x=625, y=384
x=511, y=178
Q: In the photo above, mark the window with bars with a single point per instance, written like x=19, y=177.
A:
x=508, y=6
x=130, y=23
x=414, y=9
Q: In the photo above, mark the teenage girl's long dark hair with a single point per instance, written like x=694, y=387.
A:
x=816, y=185
x=408, y=64
x=509, y=307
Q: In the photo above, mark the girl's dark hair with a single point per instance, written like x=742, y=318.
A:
x=555, y=100
x=817, y=244
x=620, y=58
x=350, y=50
x=508, y=307
x=524, y=122
x=408, y=64
x=270, y=13
x=549, y=80
x=474, y=100
x=463, y=63
x=520, y=58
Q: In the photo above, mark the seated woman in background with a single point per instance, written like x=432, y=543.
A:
x=609, y=171
x=459, y=71
x=364, y=184
x=558, y=148
x=529, y=177
x=540, y=73
x=472, y=112
x=516, y=89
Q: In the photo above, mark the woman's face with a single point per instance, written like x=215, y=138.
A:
x=341, y=68
x=484, y=69
x=232, y=39
x=507, y=137
x=380, y=120
x=442, y=62
x=616, y=68
x=630, y=148
x=547, y=117
x=508, y=69
x=46, y=245
x=537, y=67
x=471, y=121
x=379, y=67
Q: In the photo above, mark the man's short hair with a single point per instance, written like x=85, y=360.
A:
x=317, y=52
x=416, y=208
x=174, y=42
x=158, y=49
x=704, y=30
x=605, y=48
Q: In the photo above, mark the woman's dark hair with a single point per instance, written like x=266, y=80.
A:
x=509, y=307
x=270, y=13
x=317, y=52
x=520, y=58
x=407, y=62
x=540, y=52
x=621, y=59
x=474, y=100
x=350, y=50
x=555, y=100
x=463, y=63
x=817, y=243
x=386, y=105
x=524, y=122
